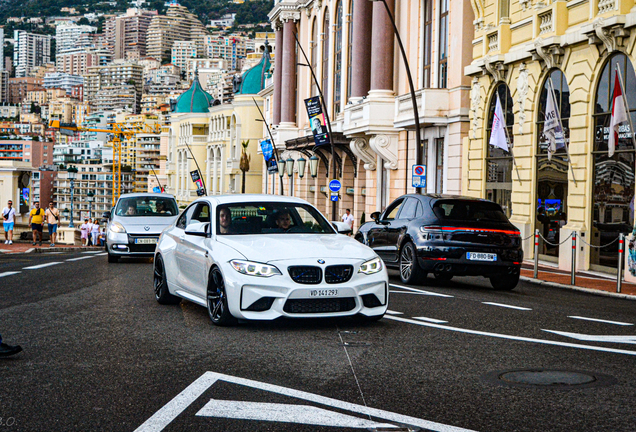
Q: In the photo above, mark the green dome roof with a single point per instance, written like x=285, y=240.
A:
x=253, y=80
x=194, y=100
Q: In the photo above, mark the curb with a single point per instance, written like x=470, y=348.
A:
x=576, y=288
x=65, y=249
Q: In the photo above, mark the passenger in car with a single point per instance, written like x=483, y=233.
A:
x=225, y=221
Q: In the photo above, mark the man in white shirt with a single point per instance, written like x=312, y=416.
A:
x=348, y=218
x=8, y=219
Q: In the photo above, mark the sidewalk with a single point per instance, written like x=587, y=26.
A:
x=27, y=247
x=586, y=282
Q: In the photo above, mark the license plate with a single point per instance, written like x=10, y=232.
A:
x=146, y=241
x=324, y=293
x=481, y=256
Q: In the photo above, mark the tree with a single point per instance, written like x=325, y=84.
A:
x=244, y=164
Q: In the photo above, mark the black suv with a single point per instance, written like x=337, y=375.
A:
x=448, y=236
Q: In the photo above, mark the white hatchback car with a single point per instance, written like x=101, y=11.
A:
x=262, y=257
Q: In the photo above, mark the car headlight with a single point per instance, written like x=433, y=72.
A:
x=372, y=266
x=116, y=227
x=254, y=269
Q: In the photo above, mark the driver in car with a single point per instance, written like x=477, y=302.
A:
x=283, y=222
x=225, y=221
x=131, y=210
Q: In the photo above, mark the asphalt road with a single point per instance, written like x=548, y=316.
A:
x=101, y=355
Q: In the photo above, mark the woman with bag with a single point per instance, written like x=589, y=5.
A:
x=52, y=218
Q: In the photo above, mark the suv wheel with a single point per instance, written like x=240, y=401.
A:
x=410, y=271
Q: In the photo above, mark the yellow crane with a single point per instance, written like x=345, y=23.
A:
x=119, y=131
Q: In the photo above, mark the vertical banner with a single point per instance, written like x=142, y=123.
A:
x=196, y=178
x=317, y=120
x=268, y=154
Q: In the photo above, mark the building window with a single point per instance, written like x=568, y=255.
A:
x=499, y=161
x=337, y=76
x=613, y=187
x=552, y=175
x=427, y=54
x=443, y=44
x=325, y=56
x=439, y=165
x=350, y=48
x=314, y=54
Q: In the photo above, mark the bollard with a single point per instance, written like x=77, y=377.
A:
x=536, y=254
x=573, y=277
x=621, y=258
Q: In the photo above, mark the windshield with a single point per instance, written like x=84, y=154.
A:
x=270, y=218
x=461, y=210
x=146, y=206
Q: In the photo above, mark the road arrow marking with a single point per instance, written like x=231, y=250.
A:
x=183, y=400
x=506, y=306
x=303, y=414
x=596, y=338
x=39, y=266
x=419, y=291
x=602, y=321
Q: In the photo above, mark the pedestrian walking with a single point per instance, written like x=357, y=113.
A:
x=84, y=230
x=8, y=219
x=52, y=218
x=36, y=221
x=95, y=232
x=348, y=218
x=8, y=350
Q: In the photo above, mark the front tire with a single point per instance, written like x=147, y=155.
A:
x=113, y=258
x=218, y=310
x=162, y=293
x=410, y=270
x=504, y=282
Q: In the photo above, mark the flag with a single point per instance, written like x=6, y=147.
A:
x=497, y=133
x=552, y=126
x=619, y=115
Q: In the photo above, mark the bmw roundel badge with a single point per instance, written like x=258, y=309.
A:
x=321, y=261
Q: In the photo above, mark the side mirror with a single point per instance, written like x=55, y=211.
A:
x=376, y=217
x=106, y=215
x=199, y=229
x=341, y=227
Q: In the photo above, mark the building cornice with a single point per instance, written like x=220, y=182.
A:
x=283, y=11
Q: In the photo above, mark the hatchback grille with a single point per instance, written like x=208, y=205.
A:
x=305, y=274
x=338, y=273
x=320, y=305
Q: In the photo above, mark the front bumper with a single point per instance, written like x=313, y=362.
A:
x=453, y=260
x=257, y=298
x=123, y=244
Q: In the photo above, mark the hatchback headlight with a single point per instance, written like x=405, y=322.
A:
x=254, y=269
x=116, y=227
x=372, y=266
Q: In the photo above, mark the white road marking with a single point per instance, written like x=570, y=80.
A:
x=39, y=266
x=509, y=337
x=9, y=273
x=303, y=414
x=176, y=406
x=602, y=321
x=54, y=253
x=506, y=306
x=595, y=338
x=81, y=258
x=394, y=312
x=420, y=291
x=433, y=320
x=92, y=252
x=102, y=254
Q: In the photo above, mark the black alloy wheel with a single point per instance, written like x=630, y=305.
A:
x=160, y=282
x=217, y=300
x=410, y=271
x=506, y=282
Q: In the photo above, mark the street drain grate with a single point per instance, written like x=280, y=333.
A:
x=550, y=378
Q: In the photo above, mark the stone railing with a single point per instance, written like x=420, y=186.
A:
x=493, y=42
x=546, y=23
x=606, y=6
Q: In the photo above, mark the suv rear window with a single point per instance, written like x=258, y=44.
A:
x=468, y=210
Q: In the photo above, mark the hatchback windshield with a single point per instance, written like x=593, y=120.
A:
x=270, y=218
x=146, y=206
x=468, y=210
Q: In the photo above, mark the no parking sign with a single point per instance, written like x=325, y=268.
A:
x=419, y=176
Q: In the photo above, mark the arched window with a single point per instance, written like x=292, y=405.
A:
x=337, y=48
x=324, y=84
x=552, y=174
x=613, y=188
x=314, y=55
x=350, y=48
x=499, y=161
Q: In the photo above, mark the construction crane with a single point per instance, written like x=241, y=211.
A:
x=119, y=131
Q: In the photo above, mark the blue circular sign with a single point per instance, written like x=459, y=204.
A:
x=335, y=185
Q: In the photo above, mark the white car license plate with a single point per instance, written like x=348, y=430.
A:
x=146, y=241
x=481, y=256
x=324, y=293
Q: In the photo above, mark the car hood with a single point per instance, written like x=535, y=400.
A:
x=280, y=247
x=138, y=224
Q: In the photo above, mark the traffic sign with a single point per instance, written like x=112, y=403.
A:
x=335, y=185
x=419, y=176
x=334, y=196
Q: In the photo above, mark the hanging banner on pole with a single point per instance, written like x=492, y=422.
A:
x=317, y=120
x=196, y=178
x=267, y=148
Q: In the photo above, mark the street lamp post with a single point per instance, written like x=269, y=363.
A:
x=72, y=175
x=289, y=164
x=90, y=197
x=418, y=148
